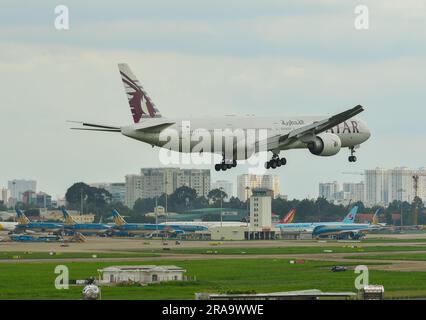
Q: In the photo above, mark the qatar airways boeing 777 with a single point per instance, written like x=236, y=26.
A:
x=248, y=135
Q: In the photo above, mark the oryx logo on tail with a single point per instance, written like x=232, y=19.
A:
x=140, y=103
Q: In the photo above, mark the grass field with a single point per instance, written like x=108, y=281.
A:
x=403, y=257
x=35, y=280
x=345, y=248
x=72, y=255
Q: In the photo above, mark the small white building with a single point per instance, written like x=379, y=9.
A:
x=141, y=274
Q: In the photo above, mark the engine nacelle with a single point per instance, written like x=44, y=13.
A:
x=325, y=144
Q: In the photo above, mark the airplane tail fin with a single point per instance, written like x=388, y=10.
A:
x=140, y=103
x=350, y=218
x=68, y=219
x=22, y=218
x=117, y=218
x=376, y=217
x=289, y=217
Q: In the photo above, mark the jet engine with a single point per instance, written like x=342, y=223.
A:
x=325, y=144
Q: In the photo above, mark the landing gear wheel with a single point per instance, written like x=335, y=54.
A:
x=273, y=164
x=234, y=163
x=352, y=158
x=217, y=167
x=229, y=166
x=267, y=164
x=224, y=166
x=283, y=161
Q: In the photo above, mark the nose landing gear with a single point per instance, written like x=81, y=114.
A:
x=352, y=158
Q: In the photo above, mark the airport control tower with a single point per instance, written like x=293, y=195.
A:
x=260, y=214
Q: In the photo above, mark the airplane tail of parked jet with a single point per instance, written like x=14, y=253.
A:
x=375, y=219
x=350, y=218
x=22, y=218
x=140, y=103
x=289, y=217
x=117, y=218
x=68, y=219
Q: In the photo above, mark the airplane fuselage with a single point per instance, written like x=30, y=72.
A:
x=351, y=133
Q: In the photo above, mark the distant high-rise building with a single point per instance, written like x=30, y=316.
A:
x=133, y=189
x=29, y=197
x=43, y=200
x=4, y=195
x=117, y=190
x=401, y=185
x=227, y=187
x=197, y=179
x=247, y=182
x=329, y=190
x=17, y=187
x=153, y=182
x=376, y=187
x=354, y=191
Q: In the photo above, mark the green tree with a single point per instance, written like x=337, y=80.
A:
x=215, y=195
x=95, y=200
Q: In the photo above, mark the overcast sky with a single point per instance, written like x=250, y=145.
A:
x=205, y=58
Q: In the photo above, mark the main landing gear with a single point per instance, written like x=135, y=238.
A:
x=225, y=165
x=275, y=162
x=352, y=158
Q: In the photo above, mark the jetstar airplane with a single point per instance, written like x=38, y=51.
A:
x=25, y=225
x=84, y=228
x=310, y=226
x=236, y=138
x=122, y=227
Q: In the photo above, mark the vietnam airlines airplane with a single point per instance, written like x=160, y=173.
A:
x=122, y=227
x=310, y=226
x=7, y=226
x=84, y=228
x=233, y=137
x=25, y=225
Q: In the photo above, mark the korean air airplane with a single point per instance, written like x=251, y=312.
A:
x=236, y=137
x=25, y=225
x=310, y=226
x=122, y=227
x=353, y=231
x=84, y=228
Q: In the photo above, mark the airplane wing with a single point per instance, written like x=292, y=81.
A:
x=307, y=133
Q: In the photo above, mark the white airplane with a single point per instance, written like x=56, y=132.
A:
x=8, y=226
x=321, y=135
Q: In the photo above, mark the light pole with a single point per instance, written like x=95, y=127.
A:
x=221, y=206
x=401, y=191
x=247, y=200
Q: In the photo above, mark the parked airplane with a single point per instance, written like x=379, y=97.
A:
x=231, y=136
x=310, y=226
x=351, y=231
x=25, y=225
x=84, y=228
x=288, y=218
x=206, y=224
x=122, y=227
x=7, y=226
